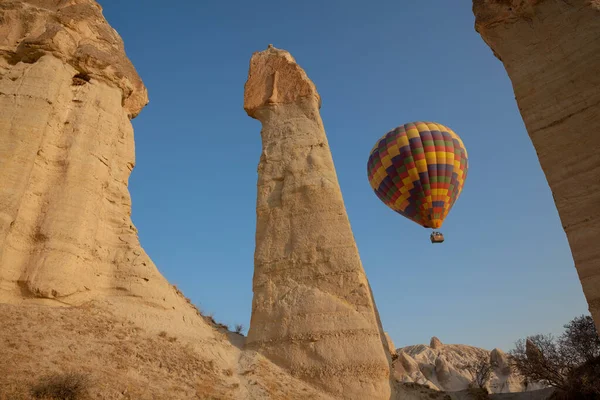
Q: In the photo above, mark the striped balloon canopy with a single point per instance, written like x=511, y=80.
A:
x=418, y=170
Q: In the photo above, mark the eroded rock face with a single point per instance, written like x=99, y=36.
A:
x=445, y=367
x=551, y=51
x=391, y=349
x=442, y=370
x=312, y=312
x=436, y=343
x=501, y=361
x=406, y=369
x=75, y=32
x=67, y=93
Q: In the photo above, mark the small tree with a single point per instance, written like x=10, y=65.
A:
x=539, y=359
x=580, y=341
x=556, y=362
x=481, y=370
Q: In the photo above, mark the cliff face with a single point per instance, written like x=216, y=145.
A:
x=67, y=92
x=312, y=311
x=551, y=51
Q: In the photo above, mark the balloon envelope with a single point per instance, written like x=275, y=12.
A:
x=419, y=170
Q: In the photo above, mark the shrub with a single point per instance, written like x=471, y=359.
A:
x=582, y=383
x=481, y=370
x=477, y=393
x=67, y=386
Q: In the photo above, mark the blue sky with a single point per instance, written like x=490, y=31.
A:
x=505, y=270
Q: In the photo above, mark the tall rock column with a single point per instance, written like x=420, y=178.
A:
x=551, y=51
x=312, y=312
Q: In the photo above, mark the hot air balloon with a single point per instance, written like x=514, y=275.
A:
x=419, y=170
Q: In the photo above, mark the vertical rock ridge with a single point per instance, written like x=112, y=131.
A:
x=312, y=311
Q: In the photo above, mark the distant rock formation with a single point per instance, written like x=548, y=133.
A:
x=551, y=51
x=435, y=343
x=443, y=367
x=313, y=311
x=500, y=359
x=390, y=348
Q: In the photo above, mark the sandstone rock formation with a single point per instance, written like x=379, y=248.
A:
x=77, y=291
x=443, y=367
x=312, y=312
x=390, y=348
x=67, y=92
x=500, y=359
x=436, y=343
x=551, y=51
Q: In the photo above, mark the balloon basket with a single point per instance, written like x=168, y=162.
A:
x=437, y=237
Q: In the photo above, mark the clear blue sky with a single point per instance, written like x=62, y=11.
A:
x=505, y=270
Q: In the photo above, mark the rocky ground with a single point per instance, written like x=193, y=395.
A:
x=119, y=360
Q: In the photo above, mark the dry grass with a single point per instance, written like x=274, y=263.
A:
x=207, y=317
x=164, y=335
x=41, y=345
x=121, y=361
x=411, y=390
x=38, y=236
x=57, y=386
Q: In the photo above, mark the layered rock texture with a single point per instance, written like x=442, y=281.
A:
x=67, y=93
x=551, y=51
x=445, y=367
x=312, y=312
